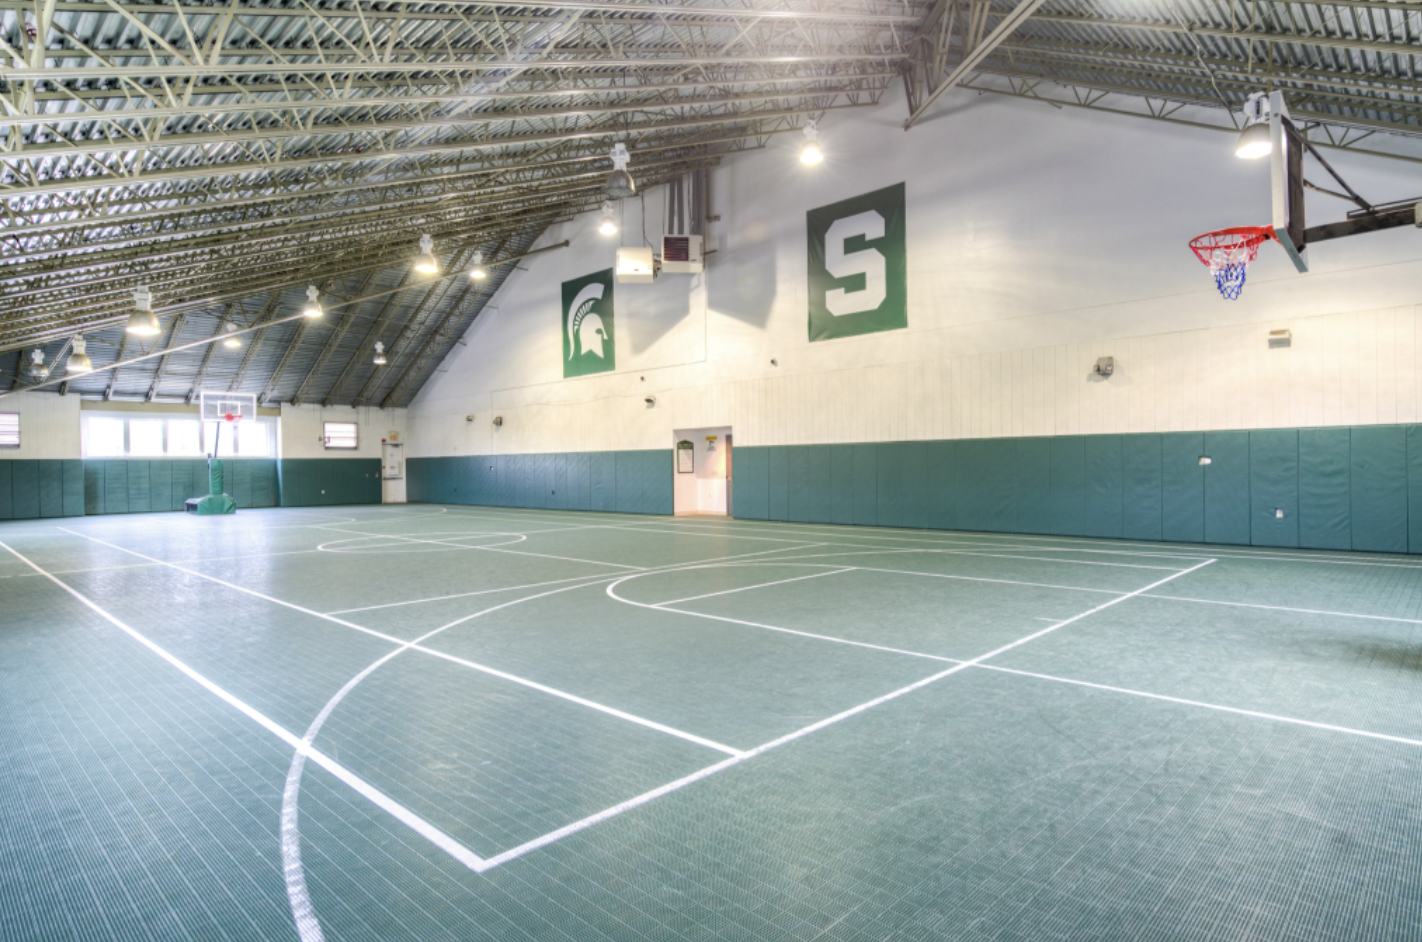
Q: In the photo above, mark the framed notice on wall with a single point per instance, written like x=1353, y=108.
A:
x=685, y=458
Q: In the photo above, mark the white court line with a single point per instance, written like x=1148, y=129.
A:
x=946, y=552
x=1075, y=544
x=645, y=797
x=942, y=575
x=763, y=585
x=523, y=681
x=491, y=549
x=1295, y=721
x=1284, y=608
x=437, y=837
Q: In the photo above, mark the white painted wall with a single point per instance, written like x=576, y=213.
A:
x=49, y=426
x=302, y=429
x=1038, y=240
x=704, y=490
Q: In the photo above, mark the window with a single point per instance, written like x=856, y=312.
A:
x=9, y=430
x=111, y=436
x=145, y=438
x=341, y=435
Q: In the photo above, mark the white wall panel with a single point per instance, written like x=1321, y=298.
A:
x=302, y=430
x=1038, y=241
x=49, y=426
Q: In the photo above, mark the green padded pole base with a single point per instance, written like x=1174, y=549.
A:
x=216, y=504
x=214, y=477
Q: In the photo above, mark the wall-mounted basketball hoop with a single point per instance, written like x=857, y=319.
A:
x=1228, y=253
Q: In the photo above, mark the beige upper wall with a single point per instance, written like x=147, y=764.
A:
x=1038, y=240
x=49, y=426
x=302, y=429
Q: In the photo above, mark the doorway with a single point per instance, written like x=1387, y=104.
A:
x=702, y=471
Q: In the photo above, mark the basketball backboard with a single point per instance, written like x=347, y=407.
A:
x=226, y=406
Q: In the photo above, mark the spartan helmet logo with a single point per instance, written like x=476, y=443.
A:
x=585, y=330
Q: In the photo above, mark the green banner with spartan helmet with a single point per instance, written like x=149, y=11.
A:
x=589, y=344
x=858, y=265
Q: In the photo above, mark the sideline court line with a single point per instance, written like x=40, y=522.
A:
x=1293, y=720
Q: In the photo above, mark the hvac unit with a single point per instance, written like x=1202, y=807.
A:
x=681, y=254
x=636, y=266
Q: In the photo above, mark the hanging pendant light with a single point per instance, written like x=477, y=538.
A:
x=142, y=322
x=425, y=262
x=313, y=302
x=478, y=272
x=380, y=354
x=619, y=181
x=608, y=226
x=79, y=361
x=231, y=341
x=37, y=368
x=811, y=153
x=1255, y=141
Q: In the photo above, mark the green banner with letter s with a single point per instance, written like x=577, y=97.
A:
x=858, y=265
x=589, y=344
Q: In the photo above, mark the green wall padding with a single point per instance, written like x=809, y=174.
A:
x=985, y=484
x=1414, y=488
x=303, y=482
x=1104, y=488
x=1034, y=485
x=749, y=483
x=1182, y=487
x=7, y=479
x=1140, y=487
x=1379, y=488
x=797, y=476
x=25, y=503
x=819, y=484
x=138, y=496
x=777, y=483
x=1274, y=486
x=889, y=484
x=1339, y=488
x=160, y=485
x=937, y=492
x=841, y=462
x=1227, y=487
x=51, y=488
x=1068, y=485
x=866, y=486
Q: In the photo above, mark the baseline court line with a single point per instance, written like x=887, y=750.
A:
x=416, y=823
x=1293, y=720
x=645, y=797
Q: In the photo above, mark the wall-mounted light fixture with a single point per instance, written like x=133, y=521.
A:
x=1280, y=338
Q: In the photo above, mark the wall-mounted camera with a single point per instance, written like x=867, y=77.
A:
x=651, y=401
x=498, y=420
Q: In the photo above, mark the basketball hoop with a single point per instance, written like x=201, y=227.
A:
x=1228, y=252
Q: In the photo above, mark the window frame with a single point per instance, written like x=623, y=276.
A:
x=4, y=416
x=354, y=436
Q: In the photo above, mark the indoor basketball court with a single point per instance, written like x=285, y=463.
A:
x=767, y=471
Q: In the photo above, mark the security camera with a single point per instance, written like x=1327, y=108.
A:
x=469, y=418
x=651, y=401
x=498, y=420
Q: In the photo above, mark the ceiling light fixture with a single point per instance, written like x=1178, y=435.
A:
x=811, y=153
x=313, y=302
x=37, y=368
x=608, y=226
x=1255, y=141
x=79, y=361
x=231, y=341
x=619, y=181
x=478, y=272
x=380, y=354
x=142, y=322
x=425, y=262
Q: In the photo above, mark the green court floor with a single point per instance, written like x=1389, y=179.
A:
x=457, y=723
